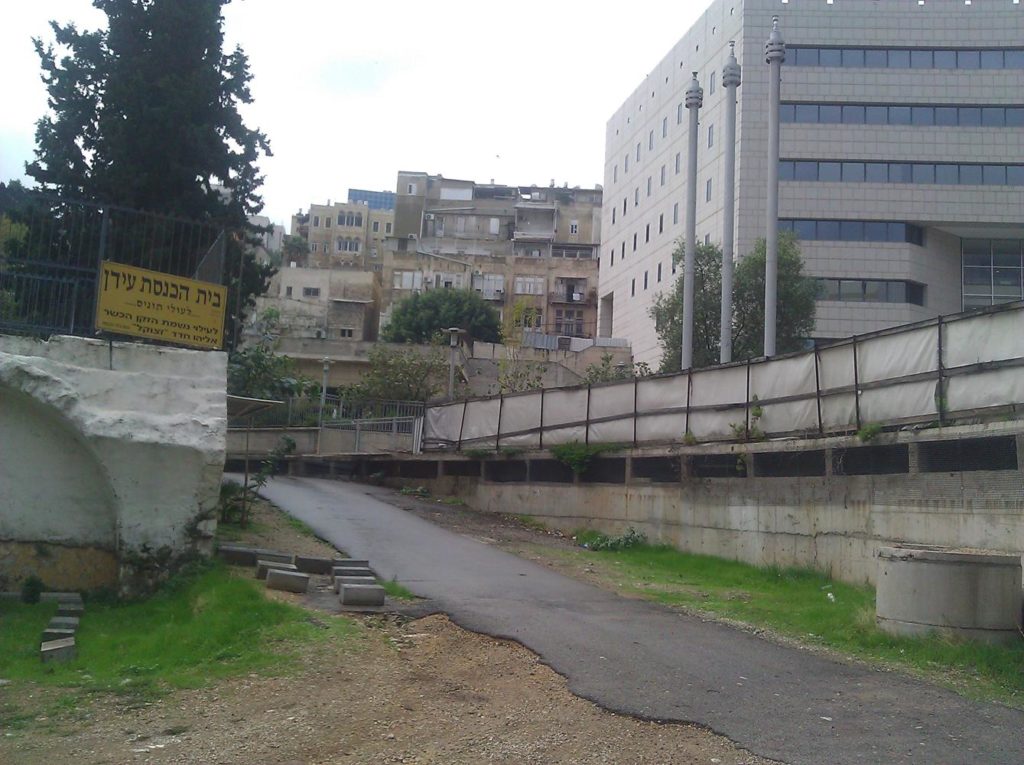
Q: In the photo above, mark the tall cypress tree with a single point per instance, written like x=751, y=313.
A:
x=145, y=114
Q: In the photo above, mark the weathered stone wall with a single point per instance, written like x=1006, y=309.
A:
x=106, y=453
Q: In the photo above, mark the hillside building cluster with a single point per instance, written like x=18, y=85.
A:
x=901, y=174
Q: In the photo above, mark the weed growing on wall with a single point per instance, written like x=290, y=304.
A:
x=593, y=540
x=869, y=432
x=578, y=456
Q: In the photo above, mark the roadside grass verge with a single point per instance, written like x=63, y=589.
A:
x=300, y=526
x=810, y=607
x=233, y=531
x=396, y=590
x=204, y=625
x=529, y=522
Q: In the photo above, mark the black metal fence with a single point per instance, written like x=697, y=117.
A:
x=50, y=250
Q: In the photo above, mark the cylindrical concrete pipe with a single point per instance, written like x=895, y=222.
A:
x=972, y=595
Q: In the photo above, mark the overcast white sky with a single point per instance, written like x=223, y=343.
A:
x=351, y=93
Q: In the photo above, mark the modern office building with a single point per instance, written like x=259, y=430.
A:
x=902, y=158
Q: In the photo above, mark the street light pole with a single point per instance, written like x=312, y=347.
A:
x=730, y=81
x=694, y=100
x=323, y=402
x=774, y=54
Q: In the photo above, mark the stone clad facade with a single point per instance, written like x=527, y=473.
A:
x=902, y=159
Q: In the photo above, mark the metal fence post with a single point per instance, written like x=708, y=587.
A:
x=746, y=405
x=586, y=431
x=940, y=398
x=856, y=383
x=817, y=390
x=462, y=425
x=497, y=435
x=100, y=256
x=689, y=389
x=636, y=383
x=541, y=433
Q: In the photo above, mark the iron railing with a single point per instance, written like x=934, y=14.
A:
x=51, y=248
x=304, y=412
x=389, y=434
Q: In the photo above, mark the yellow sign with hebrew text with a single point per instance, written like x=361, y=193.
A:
x=171, y=309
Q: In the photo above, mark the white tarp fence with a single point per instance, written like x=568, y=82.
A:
x=919, y=373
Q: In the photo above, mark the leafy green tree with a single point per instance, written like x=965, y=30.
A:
x=258, y=371
x=605, y=371
x=145, y=114
x=402, y=374
x=295, y=248
x=421, y=317
x=667, y=310
x=795, y=310
x=515, y=373
x=795, y=315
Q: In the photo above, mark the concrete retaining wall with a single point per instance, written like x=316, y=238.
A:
x=110, y=459
x=833, y=521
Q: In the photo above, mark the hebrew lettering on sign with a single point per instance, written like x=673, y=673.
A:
x=198, y=306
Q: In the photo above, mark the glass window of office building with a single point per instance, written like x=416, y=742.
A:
x=992, y=272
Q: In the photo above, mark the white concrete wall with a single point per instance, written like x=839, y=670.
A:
x=119, y=448
x=834, y=523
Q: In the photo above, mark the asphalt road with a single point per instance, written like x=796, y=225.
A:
x=638, y=658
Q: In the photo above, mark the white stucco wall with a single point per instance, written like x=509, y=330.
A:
x=119, y=447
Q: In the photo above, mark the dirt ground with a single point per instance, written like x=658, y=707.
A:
x=404, y=691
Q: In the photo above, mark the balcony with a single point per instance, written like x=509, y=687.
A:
x=491, y=294
x=574, y=295
x=533, y=235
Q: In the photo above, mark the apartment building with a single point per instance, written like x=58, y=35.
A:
x=532, y=245
x=343, y=234
x=902, y=158
x=324, y=303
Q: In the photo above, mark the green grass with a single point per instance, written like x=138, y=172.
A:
x=300, y=526
x=202, y=626
x=529, y=522
x=796, y=603
x=232, y=531
x=396, y=590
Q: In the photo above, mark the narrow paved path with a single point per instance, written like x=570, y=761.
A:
x=639, y=658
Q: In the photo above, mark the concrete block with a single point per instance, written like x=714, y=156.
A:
x=70, y=609
x=57, y=633
x=239, y=555
x=361, y=595
x=275, y=557
x=58, y=650
x=311, y=565
x=290, y=581
x=263, y=566
x=340, y=580
x=62, y=597
x=352, y=571
x=352, y=562
x=64, y=622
